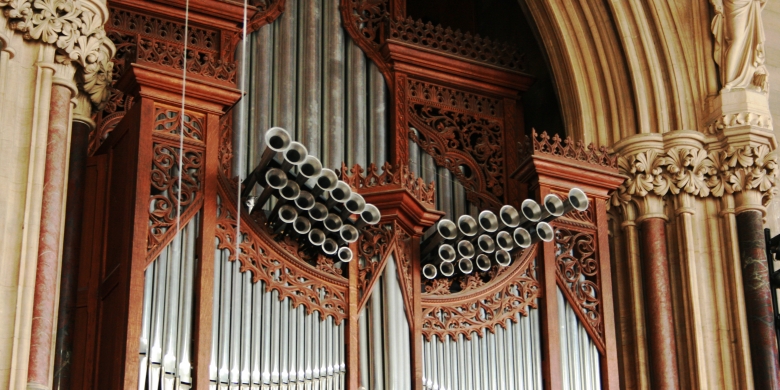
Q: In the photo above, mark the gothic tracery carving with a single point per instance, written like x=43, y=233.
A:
x=577, y=270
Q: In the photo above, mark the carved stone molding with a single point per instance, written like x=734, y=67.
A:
x=698, y=172
x=75, y=27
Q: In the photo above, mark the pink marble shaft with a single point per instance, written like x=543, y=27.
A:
x=49, y=240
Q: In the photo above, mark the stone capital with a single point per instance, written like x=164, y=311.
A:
x=650, y=206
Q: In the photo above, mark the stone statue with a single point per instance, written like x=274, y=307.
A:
x=739, y=44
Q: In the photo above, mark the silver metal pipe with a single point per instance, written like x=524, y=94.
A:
x=472, y=360
x=466, y=249
x=292, y=343
x=309, y=66
x=414, y=162
x=246, y=328
x=501, y=373
x=429, y=271
x=224, y=324
x=302, y=351
x=284, y=341
x=364, y=348
x=577, y=200
x=458, y=198
x=304, y=201
x=377, y=121
x=334, y=96
x=357, y=134
x=465, y=266
x=348, y=233
x=309, y=343
x=285, y=67
x=369, y=216
x=275, y=179
x=344, y=254
x=326, y=181
x=257, y=309
x=492, y=353
x=240, y=117
x=486, y=368
x=261, y=81
x=445, y=229
x=427, y=169
x=447, y=379
x=447, y=269
x=324, y=348
x=316, y=237
x=267, y=332
x=486, y=244
x=172, y=306
x=275, y=334
x=503, y=258
x=542, y=232
x=552, y=207
x=530, y=212
x=339, y=194
x=333, y=223
x=235, y=323
x=355, y=204
x=504, y=240
x=294, y=156
x=146, y=322
x=468, y=227
x=318, y=212
x=488, y=221
x=462, y=367
x=522, y=237
x=483, y=262
x=438, y=351
x=184, y=369
x=277, y=140
x=218, y=260
x=447, y=253
x=378, y=332
x=302, y=225
x=510, y=355
x=444, y=181
x=330, y=247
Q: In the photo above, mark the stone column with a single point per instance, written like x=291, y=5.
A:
x=758, y=293
x=661, y=345
x=82, y=126
x=52, y=213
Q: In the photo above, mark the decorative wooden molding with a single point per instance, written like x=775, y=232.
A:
x=567, y=149
x=279, y=269
x=399, y=176
x=456, y=314
x=375, y=245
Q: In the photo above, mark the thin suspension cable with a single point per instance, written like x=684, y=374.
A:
x=182, y=114
x=242, y=119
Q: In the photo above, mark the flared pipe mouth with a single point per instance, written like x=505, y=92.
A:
x=530, y=210
x=577, y=200
x=542, y=232
x=509, y=216
x=370, y=214
x=277, y=139
x=355, y=204
x=311, y=167
x=295, y=154
x=344, y=254
x=276, y=178
x=553, y=207
x=341, y=192
x=348, y=233
x=522, y=238
x=488, y=221
x=305, y=201
x=483, y=262
x=503, y=258
x=486, y=244
x=287, y=214
x=443, y=230
x=316, y=237
x=327, y=179
x=447, y=253
x=465, y=266
x=302, y=225
x=429, y=271
x=466, y=249
x=290, y=191
x=318, y=212
x=467, y=225
x=330, y=246
x=504, y=240
x=447, y=269
x=333, y=222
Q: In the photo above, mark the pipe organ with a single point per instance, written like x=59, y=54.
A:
x=219, y=289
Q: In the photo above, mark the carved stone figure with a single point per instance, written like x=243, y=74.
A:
x=739, y=44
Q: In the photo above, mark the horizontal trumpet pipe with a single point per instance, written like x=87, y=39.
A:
x=370, y=216
x=552, y=207
x=294, y=155
x=542, y=232
x=429, y=271
x=465, y=266
x=443, y=230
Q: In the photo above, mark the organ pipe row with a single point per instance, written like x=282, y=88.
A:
x=579, y=355
x=311, y=204
x=166, y=322
x=507, y=359
x=489, y=239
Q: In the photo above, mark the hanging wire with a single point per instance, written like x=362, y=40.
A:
x=182, y=114
x=242, y=119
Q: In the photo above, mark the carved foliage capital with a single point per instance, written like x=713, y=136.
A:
x=76, y=29
x=697, y=172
